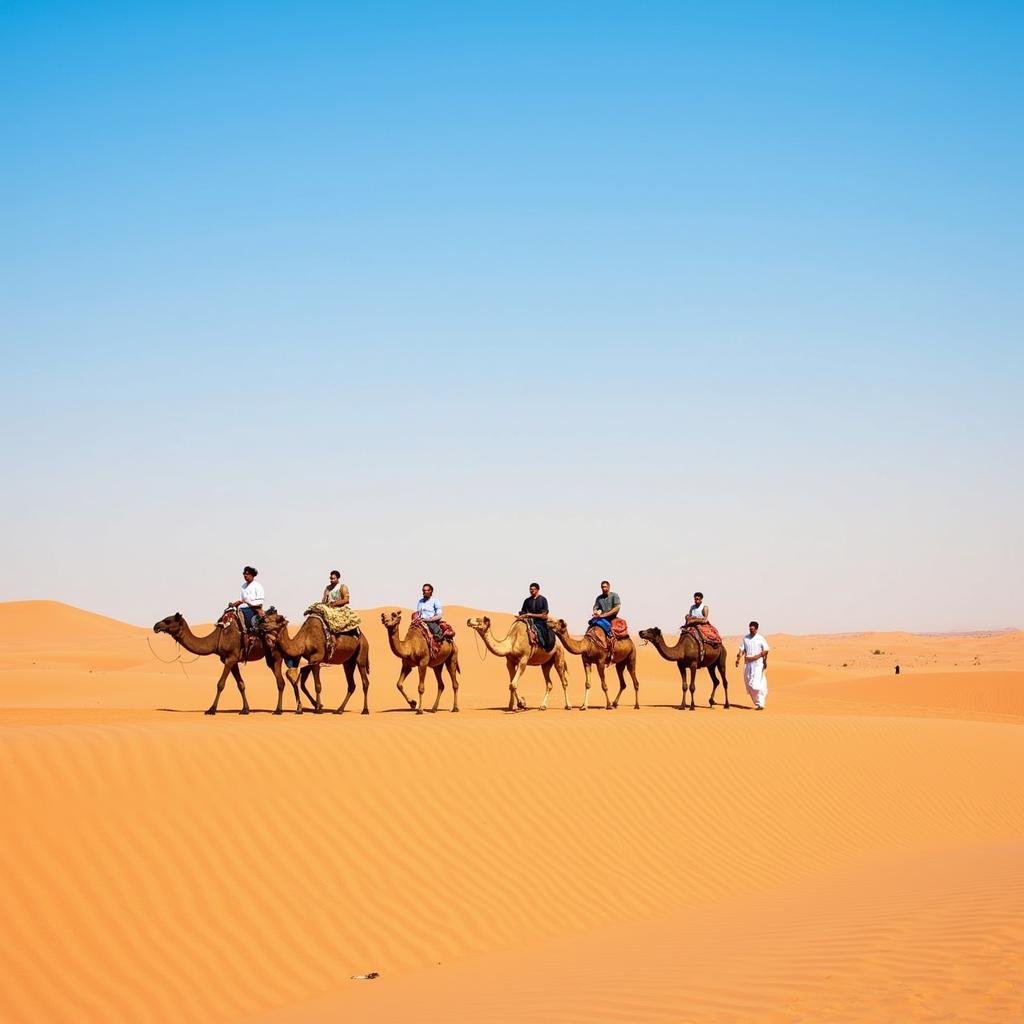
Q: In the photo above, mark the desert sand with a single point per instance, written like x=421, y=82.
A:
x=854, y=853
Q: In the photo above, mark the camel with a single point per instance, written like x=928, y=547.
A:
x=686, y=655
x=594, y=651
x=351, y=652
x=518, y=653
x=415, y=653
x=226, y=642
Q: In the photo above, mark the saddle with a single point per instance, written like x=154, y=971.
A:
x=250, y=637
x=433, y=641
x=702, y=634
x=339, y=621
x=534, y=635
x=330, y=636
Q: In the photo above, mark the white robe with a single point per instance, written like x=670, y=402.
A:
x=754, y=675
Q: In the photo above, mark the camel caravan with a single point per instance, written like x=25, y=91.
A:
x=249, y=630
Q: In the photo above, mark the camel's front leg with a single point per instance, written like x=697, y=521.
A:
x=350, y=682
x=302, y=677
x=422, y=669
x=546, y=669
x=440, y=688
x=604, y=685
x=279, y=679
x=241, y=689
x=510, y=667
x=586, y=685
x=563, y=675
x=405, y=670
x=453, y=674
x=693, y=686
x=520, y=704
x=229, y=664
x=682, y=676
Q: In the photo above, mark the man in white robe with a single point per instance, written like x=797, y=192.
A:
x=754, y=652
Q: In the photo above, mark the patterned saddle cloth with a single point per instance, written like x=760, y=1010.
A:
x=707, y=648
x=540, y=634
x=250, y=637
x=337, y=620
x=434, y=641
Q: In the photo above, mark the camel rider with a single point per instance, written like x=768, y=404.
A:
x=606, y=608
x=252, y=600
x=699, y=613
x=535, y=608
x=335, y=593
x=429, y=611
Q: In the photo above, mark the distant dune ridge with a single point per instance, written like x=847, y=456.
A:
x=853, y=854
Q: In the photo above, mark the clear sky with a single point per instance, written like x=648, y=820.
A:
x=718, y=296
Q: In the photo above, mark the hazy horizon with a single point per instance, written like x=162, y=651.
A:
x=724, y=300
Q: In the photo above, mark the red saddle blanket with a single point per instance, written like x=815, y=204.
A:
x=433, y=641
x=708, y=633
x=620, y=628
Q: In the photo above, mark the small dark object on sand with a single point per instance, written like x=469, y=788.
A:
x=365, y=977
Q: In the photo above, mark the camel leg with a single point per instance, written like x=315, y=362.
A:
x=604, y=685
x=563, y=675
x=693, y=686
x=452, y=665
x=517, y=674
x=304, y=674
x=228, y=666
x=631, y=669
x=406, y=669
x=620, y=669
x=713, y=671
x=279, y=679
x=725, y=679
x=241, y=689
x=682, y=676
x=586, y=685
x=350, y=681
x=546, y=669
x=422, y=669
x=440, y=688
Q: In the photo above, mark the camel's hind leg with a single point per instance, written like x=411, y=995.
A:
x=693, y=686
x=363, y=664
x=279, y=679
x=350, y=682
x=452, y=664
x=713, y=671
x=229, y=664
x=241, y=689
x=440, y=687
x=682, y=675
x=406, y=669
x=586, y=686
x=620, y=670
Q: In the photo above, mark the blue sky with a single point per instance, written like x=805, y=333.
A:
x=721, y=296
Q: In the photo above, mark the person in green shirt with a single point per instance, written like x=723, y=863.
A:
x=606, y=608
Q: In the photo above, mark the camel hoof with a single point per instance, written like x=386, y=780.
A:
x=337, y=711
x=210, y=711
x=455, y=711
x=726, y=707
x=365, y=711
x=318, y=711
x=244, y=711
x=278, y=711
x=419, y=711
x=412, y=704
x=298, y=711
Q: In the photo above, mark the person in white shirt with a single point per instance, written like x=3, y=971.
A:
x=252, y=600
x=754, y=652
x=429, y=610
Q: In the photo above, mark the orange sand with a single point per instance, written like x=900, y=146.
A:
x=851, y=854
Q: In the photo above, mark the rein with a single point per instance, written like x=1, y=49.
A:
x=177, y=659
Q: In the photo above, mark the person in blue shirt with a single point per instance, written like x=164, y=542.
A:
x=429, y=610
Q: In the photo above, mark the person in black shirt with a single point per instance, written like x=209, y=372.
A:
x=535, y=608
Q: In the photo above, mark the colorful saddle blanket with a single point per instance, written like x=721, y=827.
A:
x=445, y=634
x=337, y=620
x=250, y=637
x=707, y=648
x=540, y=634
x=620, y=629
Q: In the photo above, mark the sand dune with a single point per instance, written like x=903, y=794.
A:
x=852, y=854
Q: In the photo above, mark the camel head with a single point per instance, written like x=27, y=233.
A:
x=650, y=634
x=173, y=624
x=481, y=625
x=273, y=623
x=559, y=626
x=391, y=620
